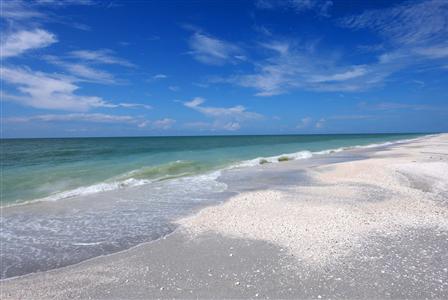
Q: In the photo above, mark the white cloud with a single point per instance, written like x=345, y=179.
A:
x=300, y=67
x=225, y=118
x=354, y=72
x=51, y=91
x=214, y=126
x=304, y=122
x=415, y=22
x=19, y=42
x=65, y=2
x=133, y=105
x=103, y=56
x=415, y=32
x=320, y=123
x=18, y=11
x=89, y=73
x=437, y=51
x=213, y=51
x=78, y=117
x=41, y=90
x=138, y=121
x=165, y=123
x=321, y=7
x=159, y=76
x=82, y=71
x=398, y=106
x=174, y=88
x=237, y=112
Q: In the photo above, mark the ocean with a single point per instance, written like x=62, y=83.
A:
x=65, y=200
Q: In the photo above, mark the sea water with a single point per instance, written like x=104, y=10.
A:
x=67, y=200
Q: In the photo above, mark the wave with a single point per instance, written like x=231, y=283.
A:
x=308, y=154
x=150, y=174
x=169, y=170
x=200, y=171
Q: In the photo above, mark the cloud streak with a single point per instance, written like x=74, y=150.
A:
x=225, y=118
x=22, y=41
x=103, y=56
x=212, y=51
x=321, y=7
x=52, y=91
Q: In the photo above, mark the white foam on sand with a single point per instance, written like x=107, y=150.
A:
x=349, y=202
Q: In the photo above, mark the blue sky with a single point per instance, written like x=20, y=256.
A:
x=132, y=68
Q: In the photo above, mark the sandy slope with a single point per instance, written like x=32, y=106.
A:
x=395, y=189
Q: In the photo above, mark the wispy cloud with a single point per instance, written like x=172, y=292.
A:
x=412, y=32
x=82, y=71
x=51, y=91
x=159, y=76
x=292, y=66
x=165, y=123
x=16, y=43
x=79, y=117
x=65, y=2
x=304, y=122
x=320, y=123
x=399, y=106
x=103, y=56
x=213, y=51
x=27, y=13
x=412, y=23
x=225, y=118
x=138, y=121
x=19, y=11
x=238, y=112
x=174, y=88
x=321, y=7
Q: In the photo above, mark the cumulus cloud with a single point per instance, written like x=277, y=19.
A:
x=16, y=43
x=41, y=90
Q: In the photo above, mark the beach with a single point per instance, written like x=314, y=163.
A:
x=364, y=223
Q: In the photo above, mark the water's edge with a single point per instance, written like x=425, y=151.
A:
x=227, y=194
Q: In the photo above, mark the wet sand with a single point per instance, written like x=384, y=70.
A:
x=375, y=227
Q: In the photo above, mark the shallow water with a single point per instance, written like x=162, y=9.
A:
x=61, y=168
x=41, y=235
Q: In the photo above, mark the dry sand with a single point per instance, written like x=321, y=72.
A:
x=371, y=228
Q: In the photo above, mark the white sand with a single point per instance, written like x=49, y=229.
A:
x=396, y=189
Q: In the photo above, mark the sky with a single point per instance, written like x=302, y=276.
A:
x=175, y=67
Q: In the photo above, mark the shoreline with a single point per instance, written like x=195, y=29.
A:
x=110, y=186
x=209, y=225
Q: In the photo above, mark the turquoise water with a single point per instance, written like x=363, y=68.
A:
x=60, y=168
x=115, y=193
